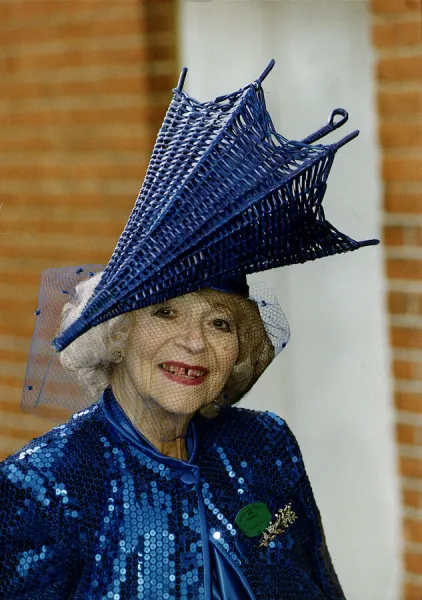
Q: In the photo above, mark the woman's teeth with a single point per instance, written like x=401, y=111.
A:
x=182, y=371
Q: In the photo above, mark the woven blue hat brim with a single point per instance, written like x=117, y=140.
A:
x=225, y=195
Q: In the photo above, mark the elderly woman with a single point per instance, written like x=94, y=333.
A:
x=161, y=488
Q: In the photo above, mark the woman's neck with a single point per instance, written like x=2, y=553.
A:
x=175, y=449
x=164, y=430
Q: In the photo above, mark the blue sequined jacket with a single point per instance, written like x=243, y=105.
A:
x=91, y=511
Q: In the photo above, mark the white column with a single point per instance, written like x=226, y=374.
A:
x=332, y=383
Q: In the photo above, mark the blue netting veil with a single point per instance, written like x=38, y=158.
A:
x=58, y=385
x=50, y=390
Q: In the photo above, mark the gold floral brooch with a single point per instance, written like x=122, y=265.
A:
x=283, y=519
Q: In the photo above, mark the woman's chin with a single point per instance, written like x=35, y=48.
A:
x=186, y=404
x=180, y=408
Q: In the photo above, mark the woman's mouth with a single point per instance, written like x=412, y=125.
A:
x=183, y=373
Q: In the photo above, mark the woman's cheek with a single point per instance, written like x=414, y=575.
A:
x=233, y=350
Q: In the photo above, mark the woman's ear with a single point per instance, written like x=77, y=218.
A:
x=119, y=330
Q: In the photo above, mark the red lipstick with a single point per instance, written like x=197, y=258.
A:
x=183, y=373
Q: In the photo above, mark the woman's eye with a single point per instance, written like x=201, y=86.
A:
x=166, y=313
x=222, y=324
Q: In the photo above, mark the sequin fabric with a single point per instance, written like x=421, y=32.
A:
x=89, y=511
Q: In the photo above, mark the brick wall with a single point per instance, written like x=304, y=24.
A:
x=84, y=87
x=397, y=27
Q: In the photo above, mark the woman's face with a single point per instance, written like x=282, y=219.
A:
x=181, y=353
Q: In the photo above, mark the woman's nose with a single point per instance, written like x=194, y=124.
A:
x=192, y=338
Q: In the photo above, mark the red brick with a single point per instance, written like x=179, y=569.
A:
x=417, y=435
x=85, y=116
x=400, y=135
x=406, y=337
x=20, y=279
x=111, y=229
x=412, y=530
x=399, y=103
x=401, y=268
x=413, y=562
x=19, y=10
x=16, y=329
x=394, y=6
x=19, y=63
x=51, y=412
x=402, y=169
x=413, y=236
x=403, y=203
x=88, y=201
x=405, y=303
x=11, y=382
x=397, y=303
x=19, y=304
x=58, y=255
x=401, y=33
x=30, y=11
x=13, y=356
x=402, y=68
x=411, y=498
x=77, y=145
x=19, y=433
x=402, y=369
x=411, y=591
x=69, y=171
x=12, y=408
x=164, y=21
x=393, y=235
x=409, y=434
x=408, y=401
x=71, y=30
x=405, y=434
x=117, y=85
x=410, y=467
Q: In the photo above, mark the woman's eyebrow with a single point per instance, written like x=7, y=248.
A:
x=223, y=307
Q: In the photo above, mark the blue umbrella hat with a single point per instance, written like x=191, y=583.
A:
x=224, y=196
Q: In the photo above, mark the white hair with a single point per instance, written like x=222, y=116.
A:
x=94, y=355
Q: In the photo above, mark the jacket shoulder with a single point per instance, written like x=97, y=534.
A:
x=263, y=423
x=266, y=429
x=43, y=478
x=263, y=437
x=48, y=450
